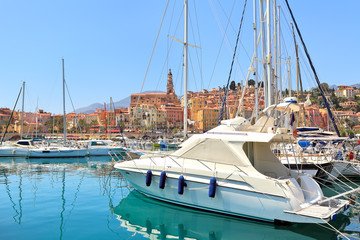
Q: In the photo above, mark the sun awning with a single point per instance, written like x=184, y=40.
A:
x=289, y=107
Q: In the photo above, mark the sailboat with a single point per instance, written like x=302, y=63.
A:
x=10, y=149
x=232, y=171
x=319, y=165
x=60, y=151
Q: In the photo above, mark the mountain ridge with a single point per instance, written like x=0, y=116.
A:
x=123, y=103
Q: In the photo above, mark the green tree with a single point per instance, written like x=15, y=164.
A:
x=325, y=87
x=251, y=82
x=232, y=85
x=350, y=123
x=334, y=100
x=94, y=123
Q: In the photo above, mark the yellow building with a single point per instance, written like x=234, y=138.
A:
x=195, y=104
x=207, y=118
x=92, y=117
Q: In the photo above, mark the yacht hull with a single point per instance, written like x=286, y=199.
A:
x=229, y=198
x=104, y=151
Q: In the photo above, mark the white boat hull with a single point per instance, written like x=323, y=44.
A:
x=347, y=168
x=319, y=170
x=229, y=198
x=57, y=153
x=104, y=151
x=14, y=152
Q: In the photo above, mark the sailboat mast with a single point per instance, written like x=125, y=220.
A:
x=64, y=117
x=289, y=76
x=109, y=121
x=22, y=111
x=106, y=126
x=255, y=62
x=185, y=64
x=279, y=49
x=268, y=55
x=36, y=117
x=275, y=77
x=263, y=45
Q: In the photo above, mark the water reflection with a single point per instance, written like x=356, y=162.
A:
x=86, y=198
x=158, y=220
x=50, y=190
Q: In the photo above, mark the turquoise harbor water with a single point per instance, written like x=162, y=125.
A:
x=88, y=199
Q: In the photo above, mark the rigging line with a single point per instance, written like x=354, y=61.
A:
x=221, y=44
x=305, y=66
x=182, y=77
x=12, y=113
x=177, y=75
x=193, y=73
x=197, y=55
x=170, y=25
x=227, y=39
x=313, y=81
x=245, y=49
x=72, y=104
x=199, y=36
x=283, y=44
x=161, y=77
x=232, y=63
x=288, y=22
x=313, y=69
x=166, y=62
x=152, y=54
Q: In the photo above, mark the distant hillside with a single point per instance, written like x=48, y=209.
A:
x=123, y=103
x=356, y=85
x=333, y=87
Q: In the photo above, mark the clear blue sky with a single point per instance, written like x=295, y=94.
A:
x=107, y=46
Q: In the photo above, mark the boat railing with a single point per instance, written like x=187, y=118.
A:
x=124, y=156
x=177, y=160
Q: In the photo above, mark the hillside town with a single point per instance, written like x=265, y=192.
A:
x=163, y=112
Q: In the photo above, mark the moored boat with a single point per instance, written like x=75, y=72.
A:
x=235, y=173
x=103, y=147
x=11, y=150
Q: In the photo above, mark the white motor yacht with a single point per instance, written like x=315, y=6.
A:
x=103, y=147
x=233, y=172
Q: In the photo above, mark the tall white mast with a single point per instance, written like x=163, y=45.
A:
x=36, y=117
x=255, y=57
x=185, y=65
x=263, y=45
x=275, y=91
x=268, y=55
x=279, y=49
x=22, y=111
x=53, y=126
x=64, y=117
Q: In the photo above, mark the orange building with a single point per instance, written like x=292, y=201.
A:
x=313, y=117
x=174, y=115
x=156, y=99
